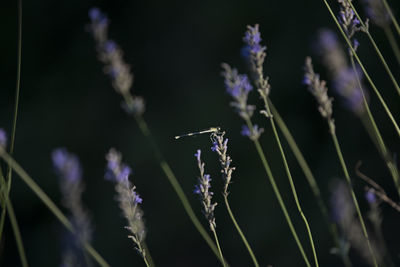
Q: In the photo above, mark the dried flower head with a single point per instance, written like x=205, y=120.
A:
x=203, y=190
x=129, y=200
x=112, y=56
x=220, y=145
x=319, y=90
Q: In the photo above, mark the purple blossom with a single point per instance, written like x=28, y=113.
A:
x=318, y=89
x=66, y=165
x=252, y=38
x=253, y=134
x=129, y=199
x=346, y=85
x=3, y=138
x=370, y=197
x=116, y=170
x=377, y=12
x=112, y=56
x=203, y=190
x=245, y=131
x=238, y=86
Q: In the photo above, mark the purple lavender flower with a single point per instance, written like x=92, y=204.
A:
x=346, y=84
x=112, y=56
x=238, y=86
x=203, y=190
x=319, y=90
x=66, y=165
x=377, y=12
x=344, y=79
x=220, y=146
x=3, y=138
x=129, y=199
x=370, y=197
x=252, y=39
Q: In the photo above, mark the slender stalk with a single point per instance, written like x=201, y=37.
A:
x=148, y=255
x=218, y=246
x=392, y=17
x=382, y=101
x=140, y=248
x=378, y=51
x=376, y=135
x=253, y=257
x=48, y=202
x=392, y=41
x=309, y=176
x=278, y=194
x=175, y=184
x=14, y=125
x=14, y=224
x=347, y=176
x=289, y=175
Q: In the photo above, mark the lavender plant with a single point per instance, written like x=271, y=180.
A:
x=220, y=146
x=203, y=190
x=252, y=39
x=380, y=14
x=68, y=169
x=344, y=31
x=319, y=90
x=347, y=82
x=238, y=87
x=129, y=202
x=111, y=55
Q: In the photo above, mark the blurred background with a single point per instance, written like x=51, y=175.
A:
x=175, y=50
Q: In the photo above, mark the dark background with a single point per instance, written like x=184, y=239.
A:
x=175, y=49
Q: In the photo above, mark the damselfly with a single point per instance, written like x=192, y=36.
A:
x=214, y=131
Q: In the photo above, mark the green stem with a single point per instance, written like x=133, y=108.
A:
x=374, y=133
x=14, y=224
x=14, y=125
x=148, y=255
x=218, y=246
x=363, y=69
x=392, y=17
x=48, y=202
x=175, y=184
x=278, y=194
x=141, y=249
x=371, y=39
x=392, y=41
x=309, y=176
x=253, y=257
x=347, y=176
x=289, y=175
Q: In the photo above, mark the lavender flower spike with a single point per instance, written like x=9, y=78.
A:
x=252, y=39
x=377, y=12
x=253, y=134
x=203, y=190
x=129, y=199
x=238, y=86
x=68, y=168
x=3, y=138
x=112, y=56
x=319, y=90
x=221, y=147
